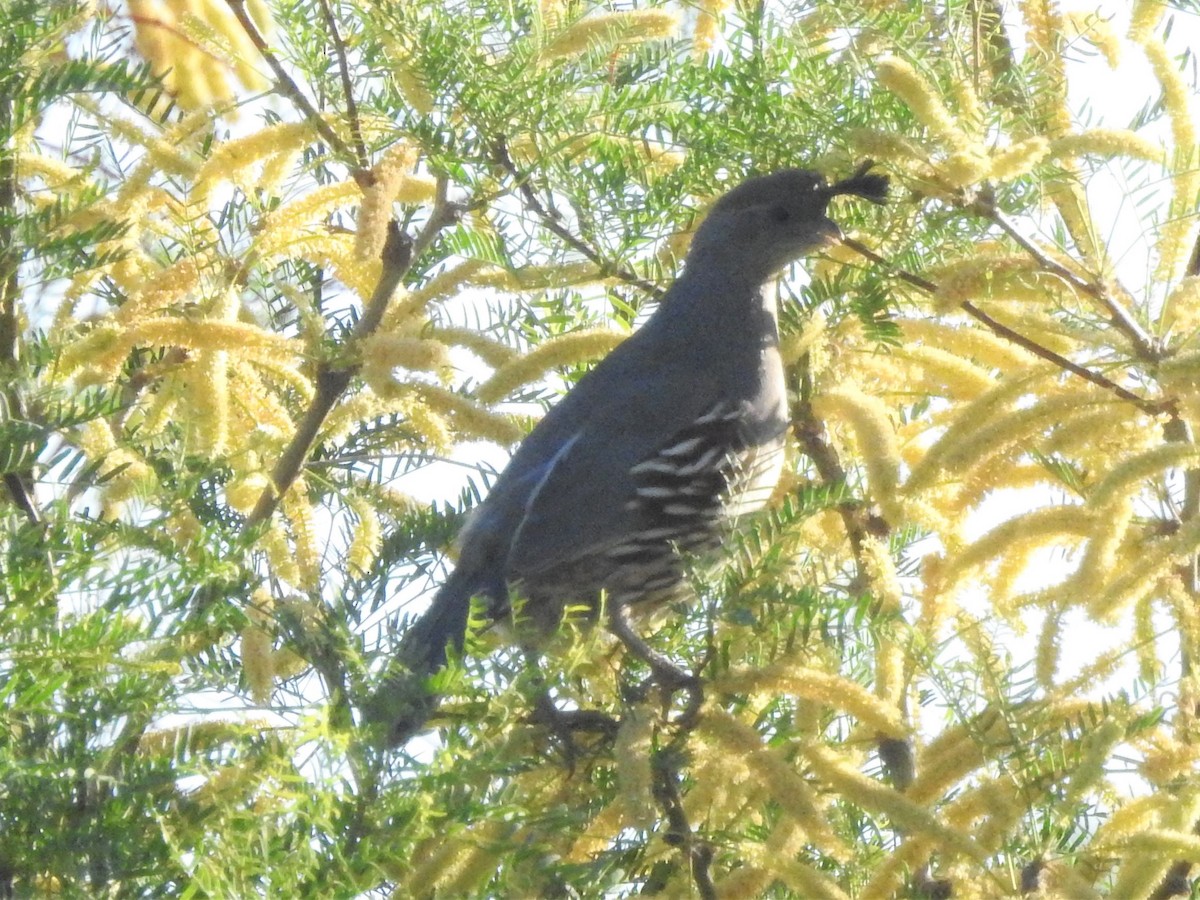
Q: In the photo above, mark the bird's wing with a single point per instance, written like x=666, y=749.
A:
x=585, y=499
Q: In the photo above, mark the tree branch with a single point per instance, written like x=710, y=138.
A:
x=339, y=48
x=17, y=483
x=699, y=853
x=1148, y=406
x=1147, y=348
x=286, y=85
x=550, y=221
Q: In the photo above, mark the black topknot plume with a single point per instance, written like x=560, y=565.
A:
x=863, y=184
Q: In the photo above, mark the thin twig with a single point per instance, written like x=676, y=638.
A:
x=1121, y=318
x=339, y=49
x=1147, y=406
x=285, y=84
x=11, y=403
x=699, y=853
x=550, y=222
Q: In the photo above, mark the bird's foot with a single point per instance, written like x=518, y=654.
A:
x=669, y=676
x=565, y=724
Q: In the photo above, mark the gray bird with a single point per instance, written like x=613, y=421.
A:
x=646, y=460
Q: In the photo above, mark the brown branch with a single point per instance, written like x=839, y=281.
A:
x=1146, y=347
x=17, y=483
x=339, y=48
x=699, y=853
x=285, y=84
x=550, y=221
x=1148, y=406
x=399, y=253
x=332, y=382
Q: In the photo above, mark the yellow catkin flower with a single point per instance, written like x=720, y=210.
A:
x=598, y=835
x=1044, y=29
x=414, y=88
x=230, y=40
x=1181, y=309
x=890, y=662
x=794, y=346
x=987, y=276
x=844, y=777
x=1098, y=32
x=947, y=373
x=880, y=570
x=551, y=13
x=195, y=736
x=432, y=425
x=227, y=785
x=970, y=442
x=385, y=352
x=167, y=289
x=1165, y=759
x=124, y=473
x=632, y=754
x=833, y=691
x=237, y=338
x=260, y=410
x=1123, y=477
x=897, y=151
x=207, y=398
x=890, y=876
x=1018, y=159
x=1156, y=561
x=988, y=811
x=1145, y=643
x=1187, y=618
x=56, y=174
x=1133, y=816
x=609, y=31
x=405, y=307
x=564, y=350
x=471, y=420
x=243, y=493
x=367, y=538
x=231, y=160
x=281, y=225
x=794, y=794
x=983, y=347
x=302, y=524
x=257, y=637
x=708, y=25
x=776, y=861
x=1144, y=19
x=493, y=352
x=375, y=210
x=1042, y=527
x=335, y=250
x=875, y=435
x=1096, y=746
x=1107, y=143
x=1177, y=99
x=537, y=278
x=1049, y=648
x=274, y=544
x=461, y=862
x=955, y=753
x=899, y=77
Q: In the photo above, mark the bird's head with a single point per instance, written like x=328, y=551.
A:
x=769, y=221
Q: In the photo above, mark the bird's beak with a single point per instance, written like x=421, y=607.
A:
x=830, y=233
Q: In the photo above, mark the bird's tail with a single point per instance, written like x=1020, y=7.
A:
x=404, y=701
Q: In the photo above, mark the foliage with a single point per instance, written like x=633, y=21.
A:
x=242, y=416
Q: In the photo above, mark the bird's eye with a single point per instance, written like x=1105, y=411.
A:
x=780, y=214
